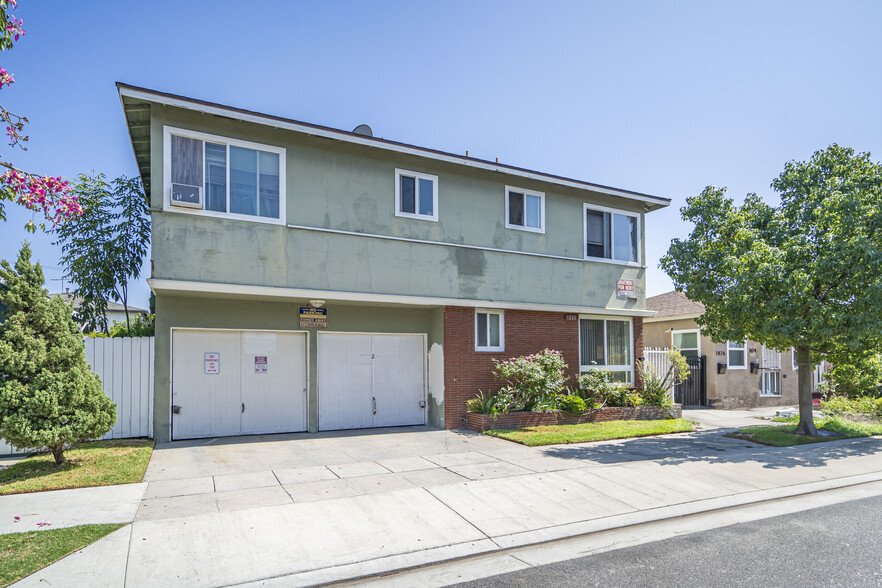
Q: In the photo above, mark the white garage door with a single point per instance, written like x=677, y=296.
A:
x=370, y=381
x=237, y=383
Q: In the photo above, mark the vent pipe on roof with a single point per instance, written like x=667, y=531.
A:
x=365, y=130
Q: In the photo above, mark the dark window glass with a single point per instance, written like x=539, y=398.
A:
x=215, y=177
x=591, y=335
x=597, y=234
x=516, y=209
x=408, y=194
x=427, y=197
x=482, y=329
x=186, y=161
x=243, y=180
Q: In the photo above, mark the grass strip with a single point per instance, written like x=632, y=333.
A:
x=585, y=432
x=22, y=554
x=785, y=435
x=96, y=463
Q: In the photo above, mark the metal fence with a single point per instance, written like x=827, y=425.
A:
x=125, y=366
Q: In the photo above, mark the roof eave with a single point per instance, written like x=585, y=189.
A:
x=138, y=93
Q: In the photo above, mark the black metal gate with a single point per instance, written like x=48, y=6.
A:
x=693, y=392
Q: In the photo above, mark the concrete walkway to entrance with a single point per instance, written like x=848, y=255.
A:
x=303, y=509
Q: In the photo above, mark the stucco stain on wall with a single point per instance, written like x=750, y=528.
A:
x=471, y=266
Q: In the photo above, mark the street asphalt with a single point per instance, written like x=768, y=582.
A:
x=839, y=545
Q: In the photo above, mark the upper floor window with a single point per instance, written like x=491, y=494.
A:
x=612, y=235
x=524, y=210
x=223, y=177
x=416, y=195
x=489, y=330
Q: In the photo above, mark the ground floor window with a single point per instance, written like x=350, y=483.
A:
x=607, y=343
x=737, y=355
x=489, y=330
x=771, y=373
x=687, y=342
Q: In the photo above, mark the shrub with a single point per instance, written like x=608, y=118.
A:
x=49, y=397
x=571, y=404
x=855, y=376
x=482, y=404
x=531, y=383
x=140, y=327
x=654, y=391
x=596, y=387
x=838, y=405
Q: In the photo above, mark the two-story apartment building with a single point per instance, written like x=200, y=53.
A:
x=308, y=278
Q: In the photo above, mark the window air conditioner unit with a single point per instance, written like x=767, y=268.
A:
x=186, y=196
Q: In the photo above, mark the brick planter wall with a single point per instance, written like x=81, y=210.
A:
x=517, y=420
x=467, y=371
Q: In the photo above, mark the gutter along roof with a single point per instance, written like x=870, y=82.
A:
x=136, y=106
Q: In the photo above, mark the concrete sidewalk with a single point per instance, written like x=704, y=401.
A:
x=427, y=496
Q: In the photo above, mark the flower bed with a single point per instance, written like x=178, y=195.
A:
x=516, y=420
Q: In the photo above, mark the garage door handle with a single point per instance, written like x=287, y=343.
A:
x=243, y=407
x=375, y=405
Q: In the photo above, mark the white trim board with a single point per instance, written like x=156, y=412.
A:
x=190, y=287
x=279, y=123
x=448, y=244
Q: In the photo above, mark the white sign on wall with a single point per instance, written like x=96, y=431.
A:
x=260, y=343
x=212, y=363
x=260, y=364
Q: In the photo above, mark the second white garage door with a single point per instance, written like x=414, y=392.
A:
x=370, y=380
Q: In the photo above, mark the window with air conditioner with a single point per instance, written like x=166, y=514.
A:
x=217, y=176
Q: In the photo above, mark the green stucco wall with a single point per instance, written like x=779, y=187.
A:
x=333, y=185
x=217, y=313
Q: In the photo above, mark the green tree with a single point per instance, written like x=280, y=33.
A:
x=102, y=250
x=49, y=397
x=805, y=274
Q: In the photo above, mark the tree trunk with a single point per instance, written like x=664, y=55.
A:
x=804, y=385
x=57, y=453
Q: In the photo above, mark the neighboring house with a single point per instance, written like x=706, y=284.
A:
x=737, y=374
x=115, y=312
x=308, y=278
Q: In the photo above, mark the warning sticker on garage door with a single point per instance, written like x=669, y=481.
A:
x=260, y=364
x=212, y=362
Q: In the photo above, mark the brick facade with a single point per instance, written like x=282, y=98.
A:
x=467, y=371
x=638, y=347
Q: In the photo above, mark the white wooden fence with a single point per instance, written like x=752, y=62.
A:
x=656, y=359
x=125, y=366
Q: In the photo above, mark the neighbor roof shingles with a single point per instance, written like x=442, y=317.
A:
x=673, y=304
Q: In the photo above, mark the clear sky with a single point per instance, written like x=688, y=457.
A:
x=659, y=97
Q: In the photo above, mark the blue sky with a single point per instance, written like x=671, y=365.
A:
x=664, y=98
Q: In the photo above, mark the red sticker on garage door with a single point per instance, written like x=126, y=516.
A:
x=260, y=364
x=212, y=362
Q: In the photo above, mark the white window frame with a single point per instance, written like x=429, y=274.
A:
x=525, y=192
x=488, y=312
x=771, y=373
x=585, y=208
x=743, y=348
x=418, y=176
x=609, y=368
x=167, y=133
x=795, y=365
x=697, y=338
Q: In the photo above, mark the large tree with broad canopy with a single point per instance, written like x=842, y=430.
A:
x=806, y=273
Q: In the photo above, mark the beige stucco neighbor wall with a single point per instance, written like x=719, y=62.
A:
x=737, y=388
x=218, y=313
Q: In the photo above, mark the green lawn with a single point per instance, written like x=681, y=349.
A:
x=97, y=463
x=22, y=554
x=785, y=435
x=553, y=434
